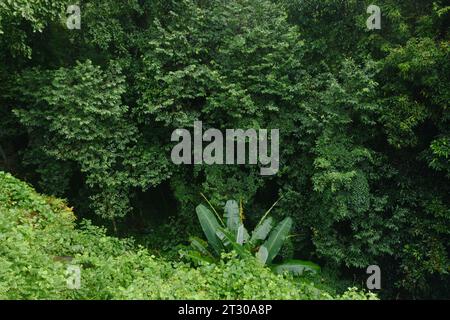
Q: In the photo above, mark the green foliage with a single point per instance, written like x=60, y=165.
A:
x=262, y=230
x=210, y=227
x=276, y=239
x=234, y=237
x=36, y=14
x=376, y=129
x=82, y=121
x=36, y=232
x=363, y=117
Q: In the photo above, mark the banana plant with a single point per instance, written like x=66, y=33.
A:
x=230, y=233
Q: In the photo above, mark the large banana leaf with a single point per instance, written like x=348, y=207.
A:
x=276, y=238
x=262, y=254
x=296, y=267
x=210, y=226
x=232, y=217
x=262, y=230
x=242, y=235
x=225, y=240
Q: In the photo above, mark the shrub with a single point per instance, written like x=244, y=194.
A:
x=265, y=241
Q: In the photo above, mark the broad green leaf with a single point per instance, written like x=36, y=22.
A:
x=226, y=242
x=262, y=254
x=212, y=207
x=276, y=238
x=262, y=230
x=296, y=267
x=209, y=226
x=242, y=235
x=232, y=216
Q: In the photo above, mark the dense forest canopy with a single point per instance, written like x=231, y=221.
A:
x=87, y=115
